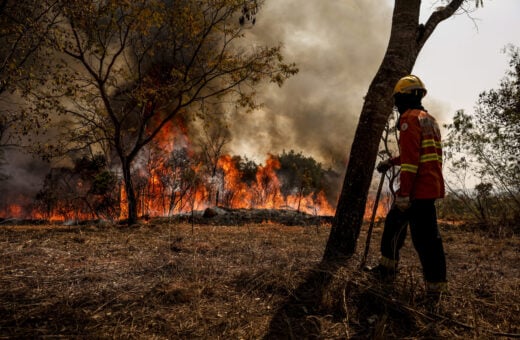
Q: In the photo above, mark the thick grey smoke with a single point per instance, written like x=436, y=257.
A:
x=338, y=46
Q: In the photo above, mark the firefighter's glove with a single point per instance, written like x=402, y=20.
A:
x=383, y=166
x=402, y=203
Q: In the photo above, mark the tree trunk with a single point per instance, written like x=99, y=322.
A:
x=406, y=40
x=130, y=193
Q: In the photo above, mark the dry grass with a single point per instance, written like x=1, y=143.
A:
x=172, y=281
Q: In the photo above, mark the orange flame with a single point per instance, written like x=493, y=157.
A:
x=163, y=189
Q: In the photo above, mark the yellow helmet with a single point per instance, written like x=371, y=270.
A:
x=409, y=84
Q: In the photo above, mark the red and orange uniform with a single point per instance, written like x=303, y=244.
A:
x=420, y=156
x=421, y=184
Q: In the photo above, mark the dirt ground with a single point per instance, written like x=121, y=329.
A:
x=162, y=281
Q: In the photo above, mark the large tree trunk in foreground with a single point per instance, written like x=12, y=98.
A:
x=407, y=38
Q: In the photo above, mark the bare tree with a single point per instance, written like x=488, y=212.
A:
x=182, y=180
x=212, y=141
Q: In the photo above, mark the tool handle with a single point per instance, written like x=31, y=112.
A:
x=372, y=219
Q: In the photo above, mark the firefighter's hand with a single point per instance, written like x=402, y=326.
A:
x=402, y=203
x=383, y=166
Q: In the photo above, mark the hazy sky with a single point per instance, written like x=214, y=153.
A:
x=338, y=46
x=464, y=55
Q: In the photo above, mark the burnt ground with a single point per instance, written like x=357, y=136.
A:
x=184, y=281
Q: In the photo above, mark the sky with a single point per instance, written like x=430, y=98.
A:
x=465, y=55
x=338, y=46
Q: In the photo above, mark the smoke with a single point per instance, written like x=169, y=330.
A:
x=338, y=46
x=25, y=176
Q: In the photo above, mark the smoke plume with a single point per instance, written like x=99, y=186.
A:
x=338, y=46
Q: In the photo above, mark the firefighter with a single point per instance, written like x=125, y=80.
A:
x=421, y=183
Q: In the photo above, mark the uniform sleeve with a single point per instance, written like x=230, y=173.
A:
x=410, y=145
x=395, y=160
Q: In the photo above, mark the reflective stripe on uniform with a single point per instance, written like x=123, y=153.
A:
x=430, y=157
x=409, y=168
x=431, y=142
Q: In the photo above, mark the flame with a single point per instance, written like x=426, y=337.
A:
x=233, y=192
x=123, y=203
x=14, y=210
x=241, y=197
x=163, y=189
x=381, y=210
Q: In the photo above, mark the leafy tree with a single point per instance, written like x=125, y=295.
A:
x=24, y=28
x=86, y=190
x=24, y=25
x=104, y=189
x=247, y=168
x=127, y=68
x=300, y=175
x=487, y=145
x=497, y=119
x=98, y=186
x=407, y=37
x=60, y=196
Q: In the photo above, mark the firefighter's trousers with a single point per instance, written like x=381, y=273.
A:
x=422, y=217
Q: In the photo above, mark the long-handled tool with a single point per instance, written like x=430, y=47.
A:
x=372, y=220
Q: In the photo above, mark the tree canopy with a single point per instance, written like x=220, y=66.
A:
x=487, y=143
x=24, y=26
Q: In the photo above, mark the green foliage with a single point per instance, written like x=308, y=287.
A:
x=86, y=190
x=89, y=166
x=486, y=145
x=24, y=25
x=103, y=183
x=453, y=208
x=247, y=168
x=300, y=175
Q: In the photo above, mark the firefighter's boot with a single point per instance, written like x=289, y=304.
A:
x=434, y=293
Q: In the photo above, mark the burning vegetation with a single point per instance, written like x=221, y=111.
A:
x=173, y=178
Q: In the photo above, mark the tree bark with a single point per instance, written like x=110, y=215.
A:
x=130, y=193
x=407, y=38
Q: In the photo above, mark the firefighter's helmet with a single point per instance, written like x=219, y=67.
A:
x=410, y=84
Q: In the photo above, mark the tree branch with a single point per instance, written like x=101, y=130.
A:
x=436, y=17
